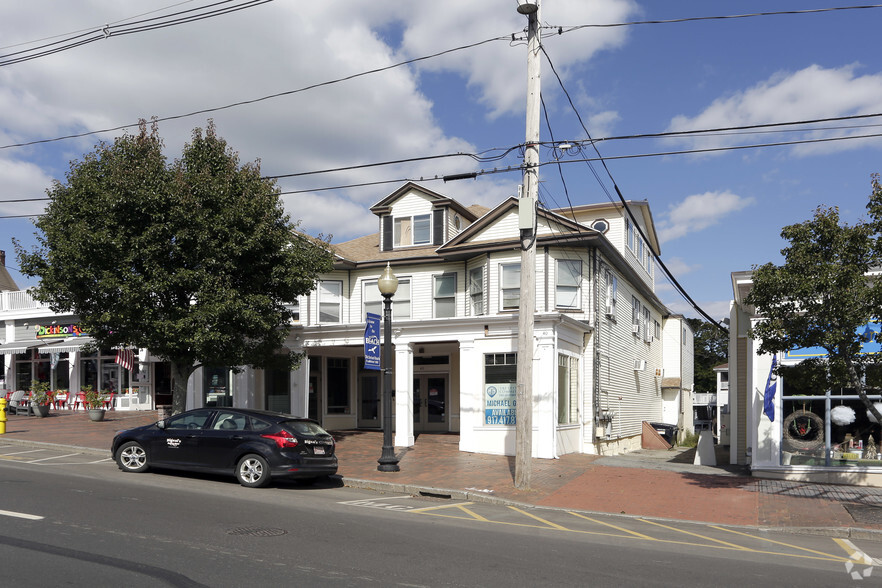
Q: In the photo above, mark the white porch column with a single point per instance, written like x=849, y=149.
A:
x=403, y=395
x=471, y=394
x=545, y=393
x=300, y=389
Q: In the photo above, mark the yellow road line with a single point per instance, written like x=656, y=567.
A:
x=541, y=520
x=830, y=555
x=854, y=553
x=617, y=528
x=732, y=545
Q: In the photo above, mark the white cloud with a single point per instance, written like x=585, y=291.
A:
x=272, y=49
x=814, y=92
x=698, y=212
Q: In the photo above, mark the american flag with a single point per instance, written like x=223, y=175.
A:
x=126, y=358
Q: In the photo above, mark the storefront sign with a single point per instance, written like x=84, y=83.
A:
x=372, y=342
x=500, y=404
x=871, y=342
x=58, y=331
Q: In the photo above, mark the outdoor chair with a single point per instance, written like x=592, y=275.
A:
x=19, y=404
x=108, y=402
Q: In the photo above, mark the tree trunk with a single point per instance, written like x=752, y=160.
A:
x=180, y=375
x=862, y=393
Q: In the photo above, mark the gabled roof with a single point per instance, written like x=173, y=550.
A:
x=639, y=208
x=6, y=281
x=438, y=200
x=464, y=245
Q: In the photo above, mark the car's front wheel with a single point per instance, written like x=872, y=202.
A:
x=131, y=457
x=253, y=471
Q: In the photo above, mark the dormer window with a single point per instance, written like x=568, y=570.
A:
x=412, y=230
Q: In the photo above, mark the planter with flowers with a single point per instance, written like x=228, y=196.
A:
x=95, y=403
x=41, y=398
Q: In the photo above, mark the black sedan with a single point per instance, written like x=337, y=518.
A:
x=253, y=445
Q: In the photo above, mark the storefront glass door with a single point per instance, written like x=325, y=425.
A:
x=430, y=403
x=369, y=401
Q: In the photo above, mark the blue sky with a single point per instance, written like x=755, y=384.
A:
x=715, y=212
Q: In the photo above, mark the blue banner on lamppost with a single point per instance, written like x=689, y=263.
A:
x=372, y=342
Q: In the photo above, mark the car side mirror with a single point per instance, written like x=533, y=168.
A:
x=160, y=424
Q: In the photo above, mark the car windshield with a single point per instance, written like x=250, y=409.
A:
x=304, y=428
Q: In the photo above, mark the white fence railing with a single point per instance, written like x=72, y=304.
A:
x=19, y=300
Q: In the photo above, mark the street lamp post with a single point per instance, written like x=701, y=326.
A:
x=387, y=284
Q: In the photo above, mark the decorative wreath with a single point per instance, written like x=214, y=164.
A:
x=804, y=430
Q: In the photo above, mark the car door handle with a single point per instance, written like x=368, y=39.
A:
x=237, y=437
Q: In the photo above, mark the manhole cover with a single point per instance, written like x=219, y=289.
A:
x=862, y=513
x=257, y=531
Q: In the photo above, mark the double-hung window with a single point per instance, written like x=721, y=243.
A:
x=569, y=279
x=330, y=301
x=445, y=296
x=510, y=285
x=476, y=291
x=567, y=389
x=612, y=291
x=415, y=230
x=635, y=315
x=373, y=300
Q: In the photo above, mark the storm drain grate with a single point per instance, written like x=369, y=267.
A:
x=257, y=531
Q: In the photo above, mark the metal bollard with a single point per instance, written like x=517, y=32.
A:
x=2, y=416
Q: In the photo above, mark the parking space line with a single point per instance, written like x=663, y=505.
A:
x=617, y=528
x=830, y=555
x=20, y=515
x=53, y=457
x=727, y=544
x=22, y=452
x=541, y=520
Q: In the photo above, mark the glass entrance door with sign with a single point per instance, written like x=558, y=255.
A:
x=430, y=403
x=369, y=401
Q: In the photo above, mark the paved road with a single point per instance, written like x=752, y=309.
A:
x=74, y=519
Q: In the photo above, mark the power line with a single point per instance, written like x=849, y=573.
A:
x=561, y=30
x=627, y=208
x=578, y=144
x=116, y=30
x=261, y=99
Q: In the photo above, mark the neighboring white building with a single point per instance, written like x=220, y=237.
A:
x=813, y=435
x=608, y=354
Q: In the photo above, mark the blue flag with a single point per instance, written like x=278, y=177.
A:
x=771, y=387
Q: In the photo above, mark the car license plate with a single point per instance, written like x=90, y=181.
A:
x=318, y=450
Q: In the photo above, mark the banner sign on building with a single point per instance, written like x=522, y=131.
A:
x=372, y=342
x=500, y=404
x=58, y=331
x=871, y=342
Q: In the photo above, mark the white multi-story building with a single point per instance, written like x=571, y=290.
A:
x=608, y=355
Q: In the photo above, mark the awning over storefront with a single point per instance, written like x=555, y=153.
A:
x=68, y=345
x=19, y=346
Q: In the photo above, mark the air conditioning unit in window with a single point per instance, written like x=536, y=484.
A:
x=635, y=329
x=639, y=365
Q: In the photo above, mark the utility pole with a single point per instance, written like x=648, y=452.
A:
x=527, y=225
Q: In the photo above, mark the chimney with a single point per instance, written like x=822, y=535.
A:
x=2, y=257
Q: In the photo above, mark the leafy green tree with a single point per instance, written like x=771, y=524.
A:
x=711, y=350
x=195, y=261
x=824, y=295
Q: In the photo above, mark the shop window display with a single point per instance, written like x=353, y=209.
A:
x=832, y=428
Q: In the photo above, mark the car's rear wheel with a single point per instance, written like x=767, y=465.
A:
x=253, y=471
x=131, y=457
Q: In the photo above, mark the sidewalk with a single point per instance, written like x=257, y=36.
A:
x=658, y=484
